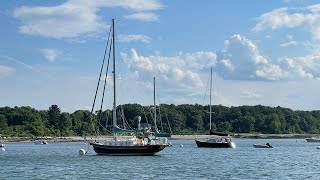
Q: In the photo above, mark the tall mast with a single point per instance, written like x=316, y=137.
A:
x=210, y=112
x=114, y=79
x=154, y=103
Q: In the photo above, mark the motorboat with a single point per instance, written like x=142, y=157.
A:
x=313, y=139
x=262, y=145
x=40, y=142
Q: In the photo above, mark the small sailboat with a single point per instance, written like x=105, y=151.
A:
x=215, y=140
x=142, y=143
x=157, y=132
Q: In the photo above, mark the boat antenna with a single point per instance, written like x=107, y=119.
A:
x=114, y=81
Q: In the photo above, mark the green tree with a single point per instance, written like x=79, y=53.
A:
x=54, y=116
x=65, y=124
x=3, y=124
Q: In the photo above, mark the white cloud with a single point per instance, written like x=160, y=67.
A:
x=183, y=72
x=290, y=43
x=249, y=94
x=314, y=8
x=241, y=59
x=228, y=64
x=148, y=17
x=134, y=37
x=50, y=54
x=307, y=18
x=5, y=70
x=306, y=67
x=74, y=18
x=271, y=72
x=64, y=21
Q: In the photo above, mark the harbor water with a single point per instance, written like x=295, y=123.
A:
x=289, y=159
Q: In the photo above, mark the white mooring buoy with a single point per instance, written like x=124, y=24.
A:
x=82, y=152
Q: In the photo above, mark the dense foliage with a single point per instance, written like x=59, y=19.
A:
x=182, y=119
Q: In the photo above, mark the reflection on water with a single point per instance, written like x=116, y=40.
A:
x=289, y=159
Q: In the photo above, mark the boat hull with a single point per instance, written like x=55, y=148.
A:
x=313, y=139
x=261, y=146
x=214, y=144
x=146, y=150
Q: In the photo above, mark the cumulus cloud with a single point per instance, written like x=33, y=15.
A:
x=306, y=18
x=305, y=67
x=183, y=72
x=74, y=18
x=50, y=54
x=240, y=59
x=5, y=70
x=134, y=37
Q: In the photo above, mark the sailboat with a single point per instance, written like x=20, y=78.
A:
x=157, y=132
x=139, y=144
x=215, y=140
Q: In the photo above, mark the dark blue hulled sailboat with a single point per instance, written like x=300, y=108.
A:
x=142, y=143
x=215, y=140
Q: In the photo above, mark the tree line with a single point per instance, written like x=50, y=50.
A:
x=180, y=119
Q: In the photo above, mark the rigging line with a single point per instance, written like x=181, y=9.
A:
x=104, y=127
x=168, y=122
x=104, y=57
x=215, y=80
x=160, y=118
x=95, y=96
x=151, y=114
x=105, y=79
x=205, y=93
x=125, y=120
x=164, y=112
x=145, y=115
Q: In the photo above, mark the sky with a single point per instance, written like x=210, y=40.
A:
x=262, y=52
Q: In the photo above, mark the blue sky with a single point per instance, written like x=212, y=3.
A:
x=263, y=52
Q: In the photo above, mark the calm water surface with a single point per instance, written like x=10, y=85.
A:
x=290, y=159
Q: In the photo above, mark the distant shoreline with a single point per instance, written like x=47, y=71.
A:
x=173, y=137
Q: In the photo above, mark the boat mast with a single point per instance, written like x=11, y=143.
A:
x=210, y=96
x=154, y=104
x=114, y=81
